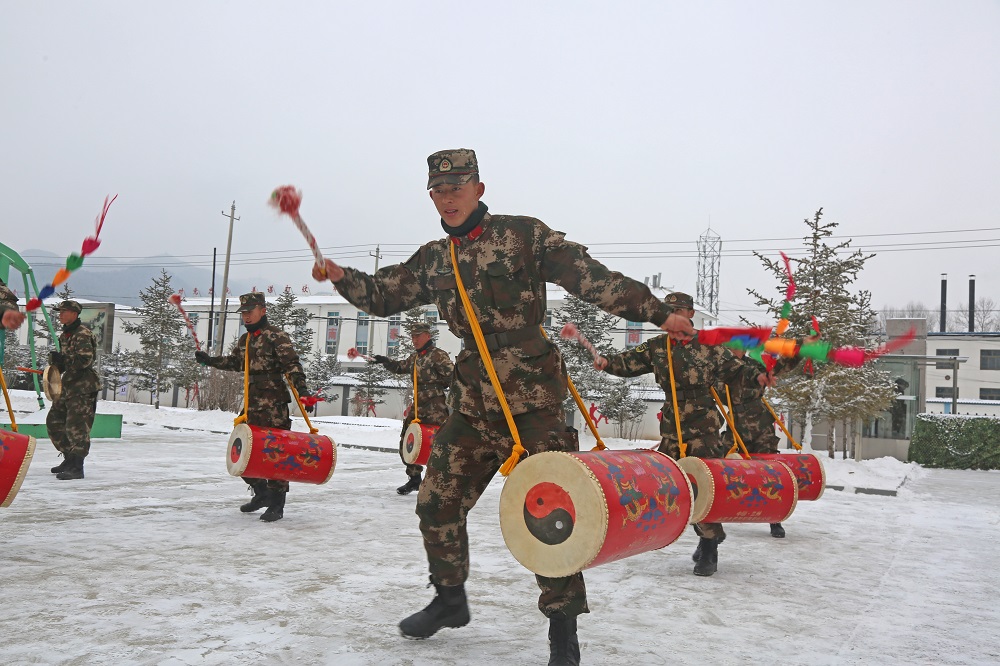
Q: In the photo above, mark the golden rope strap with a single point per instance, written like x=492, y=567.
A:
x=781, y=424
x=579, y=403
x=682, y=447
x=738, y=441
x=302, y=408
x=6, y=397
x=517, y=450
x=416, y=419
x=246, y=385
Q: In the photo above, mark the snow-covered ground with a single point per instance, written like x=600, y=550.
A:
x=149, y=561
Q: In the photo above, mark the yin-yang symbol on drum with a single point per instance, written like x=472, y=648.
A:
x=549, y=513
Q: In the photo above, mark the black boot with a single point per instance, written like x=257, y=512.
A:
x=708, y=563
x=777, y=531
x=409, y=486
x=275, y=508
x=261, y=497
x=564, y=648
x=449, y=608
x=73, y=469
x=61, y=466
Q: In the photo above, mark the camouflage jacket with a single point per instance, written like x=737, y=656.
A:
x=8, y=300
x=272, y=356
x=504, y=264
x=435, y=372
x=79, y=351
x=746, y=392
x=697, y=367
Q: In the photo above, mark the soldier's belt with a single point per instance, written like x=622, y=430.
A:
x=691, y=394
x=263, y=376
x=495, y=341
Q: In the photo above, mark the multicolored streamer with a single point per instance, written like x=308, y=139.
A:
x=73, y=261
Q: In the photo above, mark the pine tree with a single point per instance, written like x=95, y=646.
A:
x=115, y=370
x=371, y=389
x=292, y=320
x=823, y=278
x=162, y=336
x=624, y=406
x=16, y=355
x=322, y=370
x=596, y=326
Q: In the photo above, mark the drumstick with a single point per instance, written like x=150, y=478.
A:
x=353, y=353
x=571, y=332
x=176, y=300
x=287, y=200
x=37, y=372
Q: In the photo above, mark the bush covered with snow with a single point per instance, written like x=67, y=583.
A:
x=956, y=441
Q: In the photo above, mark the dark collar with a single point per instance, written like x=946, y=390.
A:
x=472, y=227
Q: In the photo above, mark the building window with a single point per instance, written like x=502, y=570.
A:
x=548, y=319
x=361, y=337
x=989, y=359
x=395, y=325
x=989, y=394
x=947, y=365
x=942, y=391
x=633, y=334
x=431, y=315
x=332, y=331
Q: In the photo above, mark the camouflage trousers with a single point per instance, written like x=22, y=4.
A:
x=268, y=412
x=411, y=470
x=705, y=444
x=756, y=429
x=69, y=421
x=467, y=454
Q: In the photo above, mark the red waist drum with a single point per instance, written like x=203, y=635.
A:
x=417, y=442
x=16, y=451
x=807, y=468
x=562, y=512
x=280, y=455
x=740, y=491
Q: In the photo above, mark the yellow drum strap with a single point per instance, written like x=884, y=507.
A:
x=6, y=397
x=579, y=403
x=246, y=385
x=781, y=424
x=302, y=408
x=673, y=394
x=416, y=419
x=737, y=440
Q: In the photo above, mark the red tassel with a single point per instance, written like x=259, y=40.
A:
x=287, y=199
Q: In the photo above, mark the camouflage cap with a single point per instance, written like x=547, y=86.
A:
x=72, y=306
x=455, y=167
x=250, y=301
x=420, y=327
x=679, y=299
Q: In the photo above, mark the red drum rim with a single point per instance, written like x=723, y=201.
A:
x=21, y=472
x=333, y=455
x=417, y=432
x=579, y=482
x=238, y=451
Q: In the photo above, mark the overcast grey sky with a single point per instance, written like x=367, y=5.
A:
x=630, y=122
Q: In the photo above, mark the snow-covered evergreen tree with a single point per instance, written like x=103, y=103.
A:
x=596, y=326
x=115, y=370
x=824, y=277
x=369, y=392
x=623, y=406
x=292, y=320
x=162, y=332
x=322, y=370
x=16, y=355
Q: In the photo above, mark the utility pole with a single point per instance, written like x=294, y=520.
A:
x=223, y=300
x=371, y=324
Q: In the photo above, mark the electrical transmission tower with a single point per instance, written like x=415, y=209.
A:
x=709, y=253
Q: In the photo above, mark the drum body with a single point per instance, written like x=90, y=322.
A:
x=561, y=512
x=417, y=442
x=807, y=468
x=16, y=451
x=740, y=491
x=280, y=455
x=51, y=382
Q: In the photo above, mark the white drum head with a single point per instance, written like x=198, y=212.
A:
x=51, y=382
x=702, y=486
x=413, y=440
x=240, y=446
x=553, y=514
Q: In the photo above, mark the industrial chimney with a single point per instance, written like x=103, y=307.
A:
x=972, y=304
x=944, y=302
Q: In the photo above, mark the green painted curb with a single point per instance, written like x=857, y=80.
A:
x=106, y=426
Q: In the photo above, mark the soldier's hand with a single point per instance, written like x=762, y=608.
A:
x=600, y=363
x=329, y=271
x=12, y=319
x=679, y=326
x=766, y=379
x=201, y=357
x=381, y=360
x=58, y=360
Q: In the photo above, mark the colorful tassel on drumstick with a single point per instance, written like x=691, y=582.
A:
x=287, y=200
x=176, y=300
x=73, y=261
x=571, y=332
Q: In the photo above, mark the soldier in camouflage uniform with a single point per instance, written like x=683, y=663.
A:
x=10, y=315
x=272, y=356
x=434, y=374
x=697, y=368
x=753, y=419
x=72, y=414
x=504, y=262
